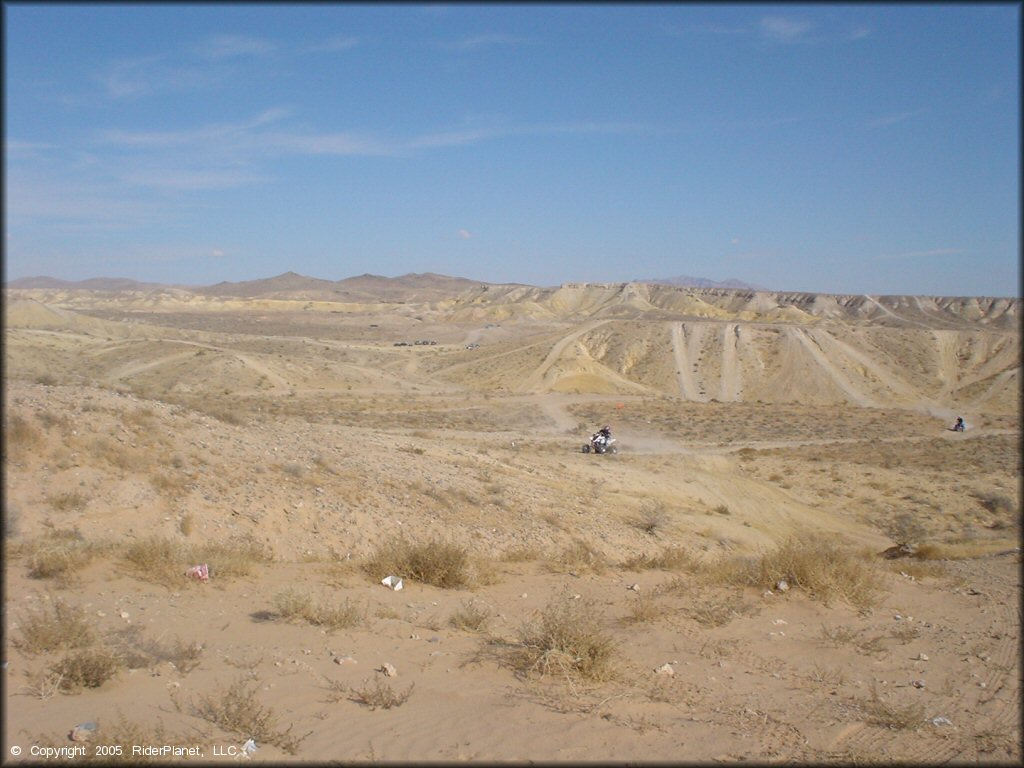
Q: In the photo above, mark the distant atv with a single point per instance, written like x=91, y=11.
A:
x=600, y=443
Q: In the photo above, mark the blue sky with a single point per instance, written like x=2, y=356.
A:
x=830, y=148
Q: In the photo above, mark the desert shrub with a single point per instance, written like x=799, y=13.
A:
x=226, y=414
x=821, y=568
x=54, y=625
x=232, y=558
x=293, y=605
x=652, y=518
x=126, y=734
x=87, y=668
x=577, y=557
x=293, y=469
x=521, y=553
x=645, y=608
x=714, y=611
x=237, y=710
x=139, y=652
x=12, y=520
x=380, y=695
x=904, y=529
x=156, y=558
x=119, y=455
x=994, y=502
x=566, y=640
x=436, y=562
x=19, y=434
x=164, y=561
x=669, y=559
x=68, y=501
x=172, y=485
x=892, y=716
x=58, y=554
x=471, y=617
x=962, y=550
x=918, y=569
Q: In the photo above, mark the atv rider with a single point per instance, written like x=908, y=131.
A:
x=959, y=426
x=602, y=436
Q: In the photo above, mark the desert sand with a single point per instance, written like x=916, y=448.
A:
x=714, y=592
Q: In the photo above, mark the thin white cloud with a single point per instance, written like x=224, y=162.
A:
x=687, y=30
x=132, y=78
x=249, y=138
x=465, y=234
x=209, y=134
x=15, y=146
x=784, y=30
x=77, y=204
x=332, y=44
x=899, y=117
x=343, y=144
x=232, y=46
x=487, y=40
x=923, y=254
x=772, y=29
x=189, y=179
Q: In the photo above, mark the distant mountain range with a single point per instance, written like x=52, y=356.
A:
x=702, y=282
x=357, y=288
x=110, y=284
x=466, y=300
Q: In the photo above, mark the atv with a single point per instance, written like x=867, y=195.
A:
x=600, y=444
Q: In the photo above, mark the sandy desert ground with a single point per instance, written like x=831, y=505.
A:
x=556, y=606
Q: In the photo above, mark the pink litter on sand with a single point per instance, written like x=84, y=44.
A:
x=200, y=572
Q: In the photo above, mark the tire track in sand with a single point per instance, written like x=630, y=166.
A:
x=729, y=389
x=887, y=378
x=1000, y=714
x=837, y=376
x=536, y=377
x=688, y=388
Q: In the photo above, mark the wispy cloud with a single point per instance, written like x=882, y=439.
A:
x=250, y=137
x=340, y=144
x=79, y=205
x=775, y=29
x=899, y=117
x=14, y=146
x=231, y=46
x=923, y=254
x=200, y=66
x=333, y=44
x=132, y=78
x=487, y=40
x=465, y=234
x=208, y=135
x=781, y=29
x=188, y=179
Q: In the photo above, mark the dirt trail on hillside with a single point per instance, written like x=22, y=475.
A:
x=535, y=379
x=730, y=380
x=999, y=381
x=887, y=378
x=688, y=388
x=133, y=369
x=889, y=312
x=836, y=375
